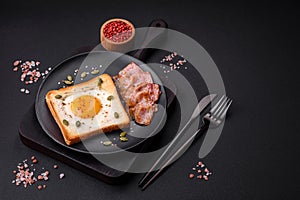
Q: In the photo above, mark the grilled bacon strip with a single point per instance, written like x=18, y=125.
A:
x=139, y=92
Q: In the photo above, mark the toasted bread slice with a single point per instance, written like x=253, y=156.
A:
x=88, y=108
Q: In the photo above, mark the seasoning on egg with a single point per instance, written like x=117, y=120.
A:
x=65, y=122
x=100, y=82
x=110, y=97
x=58, y=96
x=116, y=115
x=78, y=123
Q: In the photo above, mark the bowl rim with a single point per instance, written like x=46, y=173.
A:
x=102, y=37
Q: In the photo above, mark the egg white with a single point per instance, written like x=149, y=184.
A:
x=105, y=117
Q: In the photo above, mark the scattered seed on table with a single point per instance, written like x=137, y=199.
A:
x=16, y=63
x=96, y=71
x=202, y=171
x=191, y=176
x=107, y=143
x=61, y=175
x=29, y=72
x=70, y=78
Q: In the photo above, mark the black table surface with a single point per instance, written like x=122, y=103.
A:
x=255, y=49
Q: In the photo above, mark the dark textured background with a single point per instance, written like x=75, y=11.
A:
x=255, y=47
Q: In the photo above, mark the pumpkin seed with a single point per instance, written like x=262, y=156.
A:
x=78, y=123
x=109, y=98
x=96, y=71
x=65, y=122
x=107, y=143
x=69, y=77
x=116, y=115
x=124, y=139
x=123, y=134
x=58, y=96
x=100, y=82
x=83, y=74
x=68, y=82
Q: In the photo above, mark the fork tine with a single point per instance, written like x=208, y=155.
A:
x=225, y=110
x=217, y=104
x=219, y=107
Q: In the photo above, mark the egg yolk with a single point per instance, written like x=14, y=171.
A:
x=86, y=106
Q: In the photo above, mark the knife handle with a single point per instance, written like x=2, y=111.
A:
x=152, y=35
